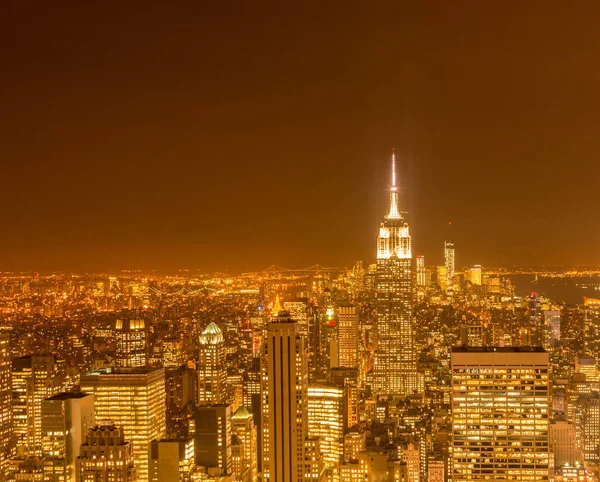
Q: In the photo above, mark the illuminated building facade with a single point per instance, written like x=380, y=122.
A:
x=500, y=404
x=449, y=263
x=348, y=335
x=589, y=426
x=472, y=335
x=130, y=336
x=410, y=456
x=105, y=456
x=6, y=394
x=245, y=460
x=395, y=358
x=326, y=421
x=421, y=273
x=563, y=444
x=284, y=401
x=134, y=399
x=34, y=379
x=474, y=275
x=591, y=326
x=66, y=419
x=213, y=438
x=355, y=441
x=212, y=371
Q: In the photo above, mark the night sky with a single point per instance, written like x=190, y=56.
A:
x=236, y=135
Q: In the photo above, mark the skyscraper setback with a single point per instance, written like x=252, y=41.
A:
x=395, y=359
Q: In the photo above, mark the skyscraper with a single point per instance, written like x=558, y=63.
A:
x=449, y=262
x=172, y=460
x=34, y=379
x=348, y=336
x=130, y=335
x=284, y=401
x=326, y=421
x=395, y=358
x=213, y=438
x=66, y=419
x=133, y=398
x=105, y=455
x=421, y=273
x=245, y=462
x=6, y=416
x=500, y=404
x=212, y=372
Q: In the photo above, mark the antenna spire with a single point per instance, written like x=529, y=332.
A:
x=394, y=211
x=393, y=168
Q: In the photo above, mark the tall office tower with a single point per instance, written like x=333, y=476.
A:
x=105, y=456
x=411, y=457
x=591, y=326
x=421, y=273
x=245, y=461
x=66, y=419
x=563, y=444
x=130, y=335
x=34, y=378
x=326, y=421
x=449, y=262
x=552, y=323
x=284, y=390
x=348, y=336
x=588, y=421
x=213, y=438
x=212, y=372
x=395, y=358
x=6, y=415
x=500, y=402
x=134, y=399
x=172, y=460
x=474, y=275
x=587, y=366
x=472, y=335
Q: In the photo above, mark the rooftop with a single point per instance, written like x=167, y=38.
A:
x=68, y=396
x=498, y=349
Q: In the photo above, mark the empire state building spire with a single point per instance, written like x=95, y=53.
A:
x=394, y=212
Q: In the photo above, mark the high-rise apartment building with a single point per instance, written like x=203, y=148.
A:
x=6, y=415
x=500, y=405
x=449, y=262
x=213, y=438
x=134, y=399
x=130, y=336
x=395, y=358
x=34, y=378
x=245, y=461
x=326, y=421
x=284, y=401
x=212, y=372
x=105, y=456
x=348, y=336
x=66, y=419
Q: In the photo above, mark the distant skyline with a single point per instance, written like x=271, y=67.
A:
x=234, y=137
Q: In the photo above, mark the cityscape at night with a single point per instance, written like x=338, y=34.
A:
x=292, y=243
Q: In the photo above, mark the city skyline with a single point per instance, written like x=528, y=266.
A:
x=177, y=151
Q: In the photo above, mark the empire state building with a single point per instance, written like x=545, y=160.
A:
x=395, y=360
